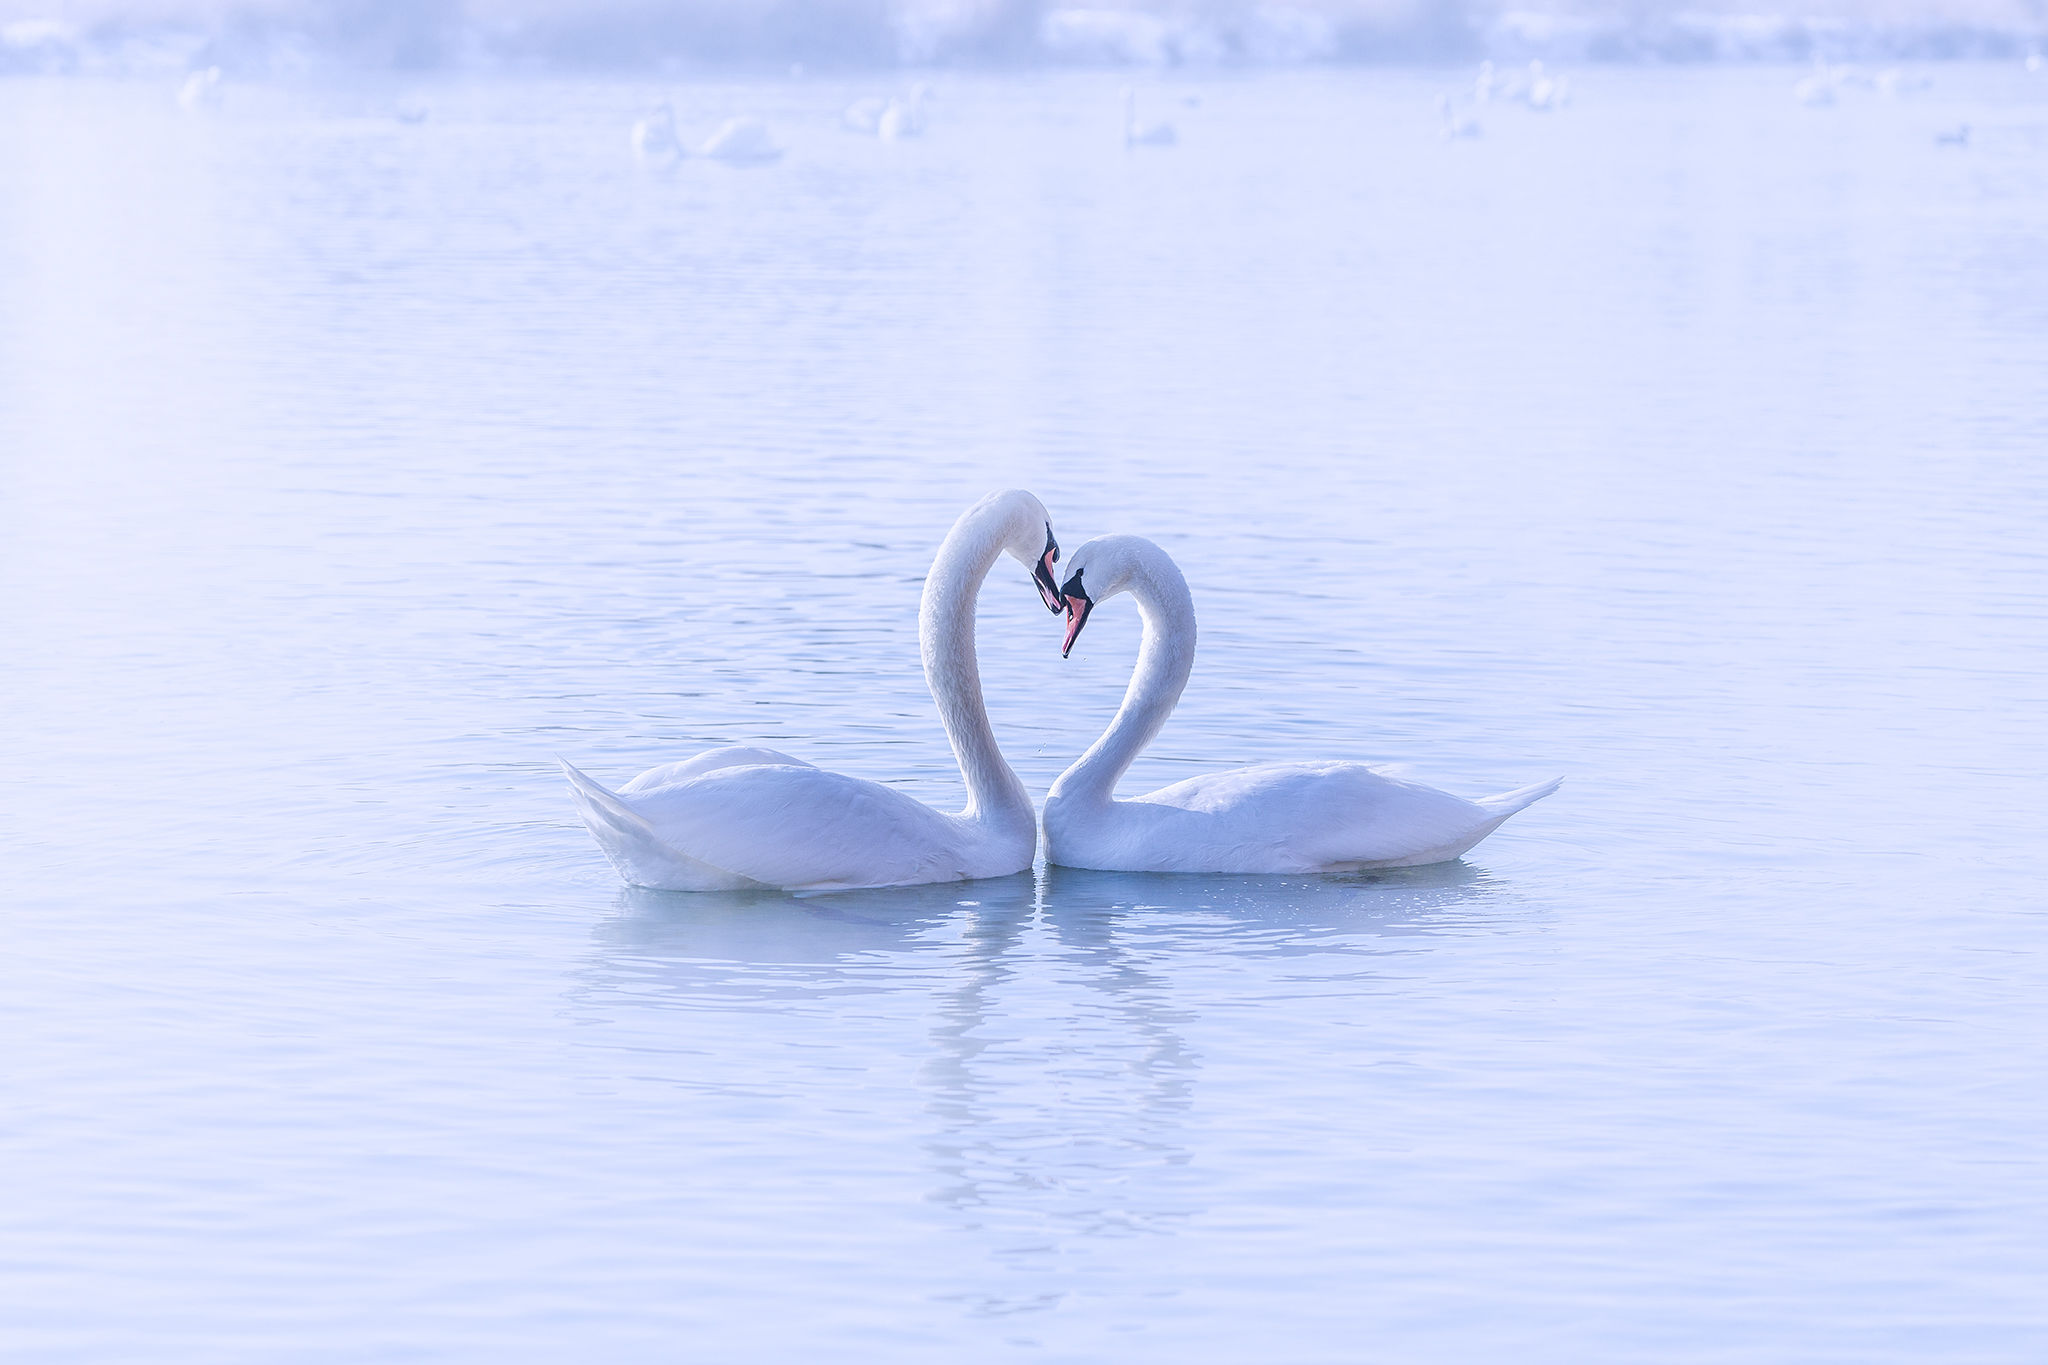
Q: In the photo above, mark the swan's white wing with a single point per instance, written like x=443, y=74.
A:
x=1521, y=798
x=711, y=760
x=1328, y=815
x=800, y=827
x=642, y=856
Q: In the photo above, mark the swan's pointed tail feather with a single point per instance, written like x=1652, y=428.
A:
x=1507, y=803
x=642, y=856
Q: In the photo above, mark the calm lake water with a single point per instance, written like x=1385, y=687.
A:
x=1686, y=443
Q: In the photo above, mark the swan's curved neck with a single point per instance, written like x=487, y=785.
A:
x=1165, y=658
x=946, y=635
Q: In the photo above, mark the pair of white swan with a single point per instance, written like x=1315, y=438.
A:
x=742, y=817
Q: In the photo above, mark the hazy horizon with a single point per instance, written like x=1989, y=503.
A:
x=281, y=36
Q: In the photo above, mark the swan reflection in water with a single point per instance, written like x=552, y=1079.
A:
x=1056, y=1009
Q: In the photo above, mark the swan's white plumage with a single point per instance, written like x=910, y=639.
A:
x=741, y=141
x=739, y=817
x=641, y=854
x=1272, y=817
x=1154, y=134
x=654, y=136
x=824, y=830
x=201, y=90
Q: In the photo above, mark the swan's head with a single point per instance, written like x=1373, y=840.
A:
x=1026, y=532
x=1099, y=570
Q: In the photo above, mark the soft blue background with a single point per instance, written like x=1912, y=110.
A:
x=1687, y=444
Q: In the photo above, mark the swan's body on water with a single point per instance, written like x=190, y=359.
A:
x=743, y=141
x=1153, y=134
x=1458, y=122
x=654, y=136
x=1273, y=817
x=201, y=90
x=898, y=116
x=739, y=818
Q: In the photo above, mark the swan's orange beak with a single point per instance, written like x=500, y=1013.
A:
x=1041, y=574
x=1078, y=608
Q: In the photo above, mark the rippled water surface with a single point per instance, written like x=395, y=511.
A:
x=1687, y=444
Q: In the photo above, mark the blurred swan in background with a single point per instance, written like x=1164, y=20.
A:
x=1458, y=122
x=864, y=115
x=1534, y=87
x=891, y=118
x=741, y=141
x=1543, y=91
x=1892, y=83
x=738, y=141
x=738, y=818
x=201, y=90
x=1136, y=134
x=654, y=135
x=1819, y=88
x=1273, y=818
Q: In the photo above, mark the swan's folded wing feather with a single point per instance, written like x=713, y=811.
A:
x=1521, y=798
x=805, y=827
x=641, y=855
x=1330, y=814
x=711, y=760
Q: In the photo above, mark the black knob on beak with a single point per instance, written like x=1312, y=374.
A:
x=1041, y=574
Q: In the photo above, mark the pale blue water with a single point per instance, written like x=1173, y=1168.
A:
x=1687, y=444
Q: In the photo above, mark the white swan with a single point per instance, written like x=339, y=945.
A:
x=904, y=117
x=1138, y=134
x=898, y=116
x=1543, y=91
x=743, y=141
x=1819, y=89
x=654, y=136
x=736, y=818
x=1458, y=122
x=1275, y=817
x=201, y=90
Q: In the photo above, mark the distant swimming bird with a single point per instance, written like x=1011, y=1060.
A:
x=1958, y=136
x=864, y=115
x=743, y=141
x=1457, y=122
x=654, y=136
x=1138, y=134
x=1272, y=818
x=1543, y=92
x=891, y=118
x=904, y=117
x=1892, y=83
x=1818, y=90
x=201, y=90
